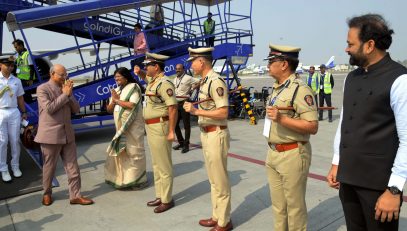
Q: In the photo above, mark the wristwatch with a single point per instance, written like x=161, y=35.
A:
x=394, y=190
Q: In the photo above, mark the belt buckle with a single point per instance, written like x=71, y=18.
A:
x=272, y=147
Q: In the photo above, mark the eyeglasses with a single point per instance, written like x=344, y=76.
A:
x=152, y=64
x=65, y=76
x=274, y=60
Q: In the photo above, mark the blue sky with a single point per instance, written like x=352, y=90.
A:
x=317, y=26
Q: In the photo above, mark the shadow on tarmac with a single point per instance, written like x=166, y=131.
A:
x=204, y=187
x=253, y=204
x=32, y=225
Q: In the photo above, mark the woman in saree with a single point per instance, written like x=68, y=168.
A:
x=126, y=163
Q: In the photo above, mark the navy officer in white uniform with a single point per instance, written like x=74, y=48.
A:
x=12, y=109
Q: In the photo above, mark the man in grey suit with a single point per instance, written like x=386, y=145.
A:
x=55, y=134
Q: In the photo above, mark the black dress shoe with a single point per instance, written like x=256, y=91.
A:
x=178, y=146
x=185, y=149
x=164, y=207
x=155, y=202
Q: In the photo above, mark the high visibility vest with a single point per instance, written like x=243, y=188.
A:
x=209, y=26
x=314, y=83
x=23, y=66
x=327, y=83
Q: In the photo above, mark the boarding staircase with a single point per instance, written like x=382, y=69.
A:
x=105, y=26
x=110, y=24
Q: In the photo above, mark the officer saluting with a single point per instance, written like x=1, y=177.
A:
x=160, y=115
x=287, y=133
x=215, y=136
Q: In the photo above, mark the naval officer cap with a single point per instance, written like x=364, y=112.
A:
x=153, y=58
x=200, y=52
x=6, y=60
x=280, y=51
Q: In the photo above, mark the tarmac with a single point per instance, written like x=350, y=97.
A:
x=127, y=210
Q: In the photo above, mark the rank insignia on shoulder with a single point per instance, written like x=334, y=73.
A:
x=170, y=92
x=220, y=91
x=309, y=100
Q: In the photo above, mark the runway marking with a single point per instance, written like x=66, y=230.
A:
x=261, y=162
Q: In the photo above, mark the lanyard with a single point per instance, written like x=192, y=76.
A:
x=180, y=80
x=273, y=100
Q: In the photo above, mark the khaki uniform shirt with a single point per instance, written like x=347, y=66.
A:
x=213, y=87
x=304, y=108
x=163, y=89
x=183, y=85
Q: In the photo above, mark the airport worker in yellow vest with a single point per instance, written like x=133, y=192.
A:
x=313, y=82
x=209, y=29
x=24, y=64
x=326, y=85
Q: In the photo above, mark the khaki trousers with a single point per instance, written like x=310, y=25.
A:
x=287, y=176
x=160, y=149
x=215, y=147
x=51, y=153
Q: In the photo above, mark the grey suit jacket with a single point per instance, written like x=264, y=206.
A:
x=55, y=109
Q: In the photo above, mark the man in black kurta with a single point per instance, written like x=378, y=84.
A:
x=370, y=157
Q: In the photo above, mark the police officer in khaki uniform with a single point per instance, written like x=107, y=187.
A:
x=287, y=133
x=160, y=115
x=215, y=136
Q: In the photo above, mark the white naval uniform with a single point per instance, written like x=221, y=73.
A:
x=10, y=119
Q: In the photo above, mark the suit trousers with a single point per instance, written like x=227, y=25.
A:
x=287, y=176
x=186, y=120
x=160, y=149
x=10, y=120
x=327, y=98
x=51, y=153
x=359, y=207
x=215, y=147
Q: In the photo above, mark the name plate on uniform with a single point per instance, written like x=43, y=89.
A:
x=267, y=127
